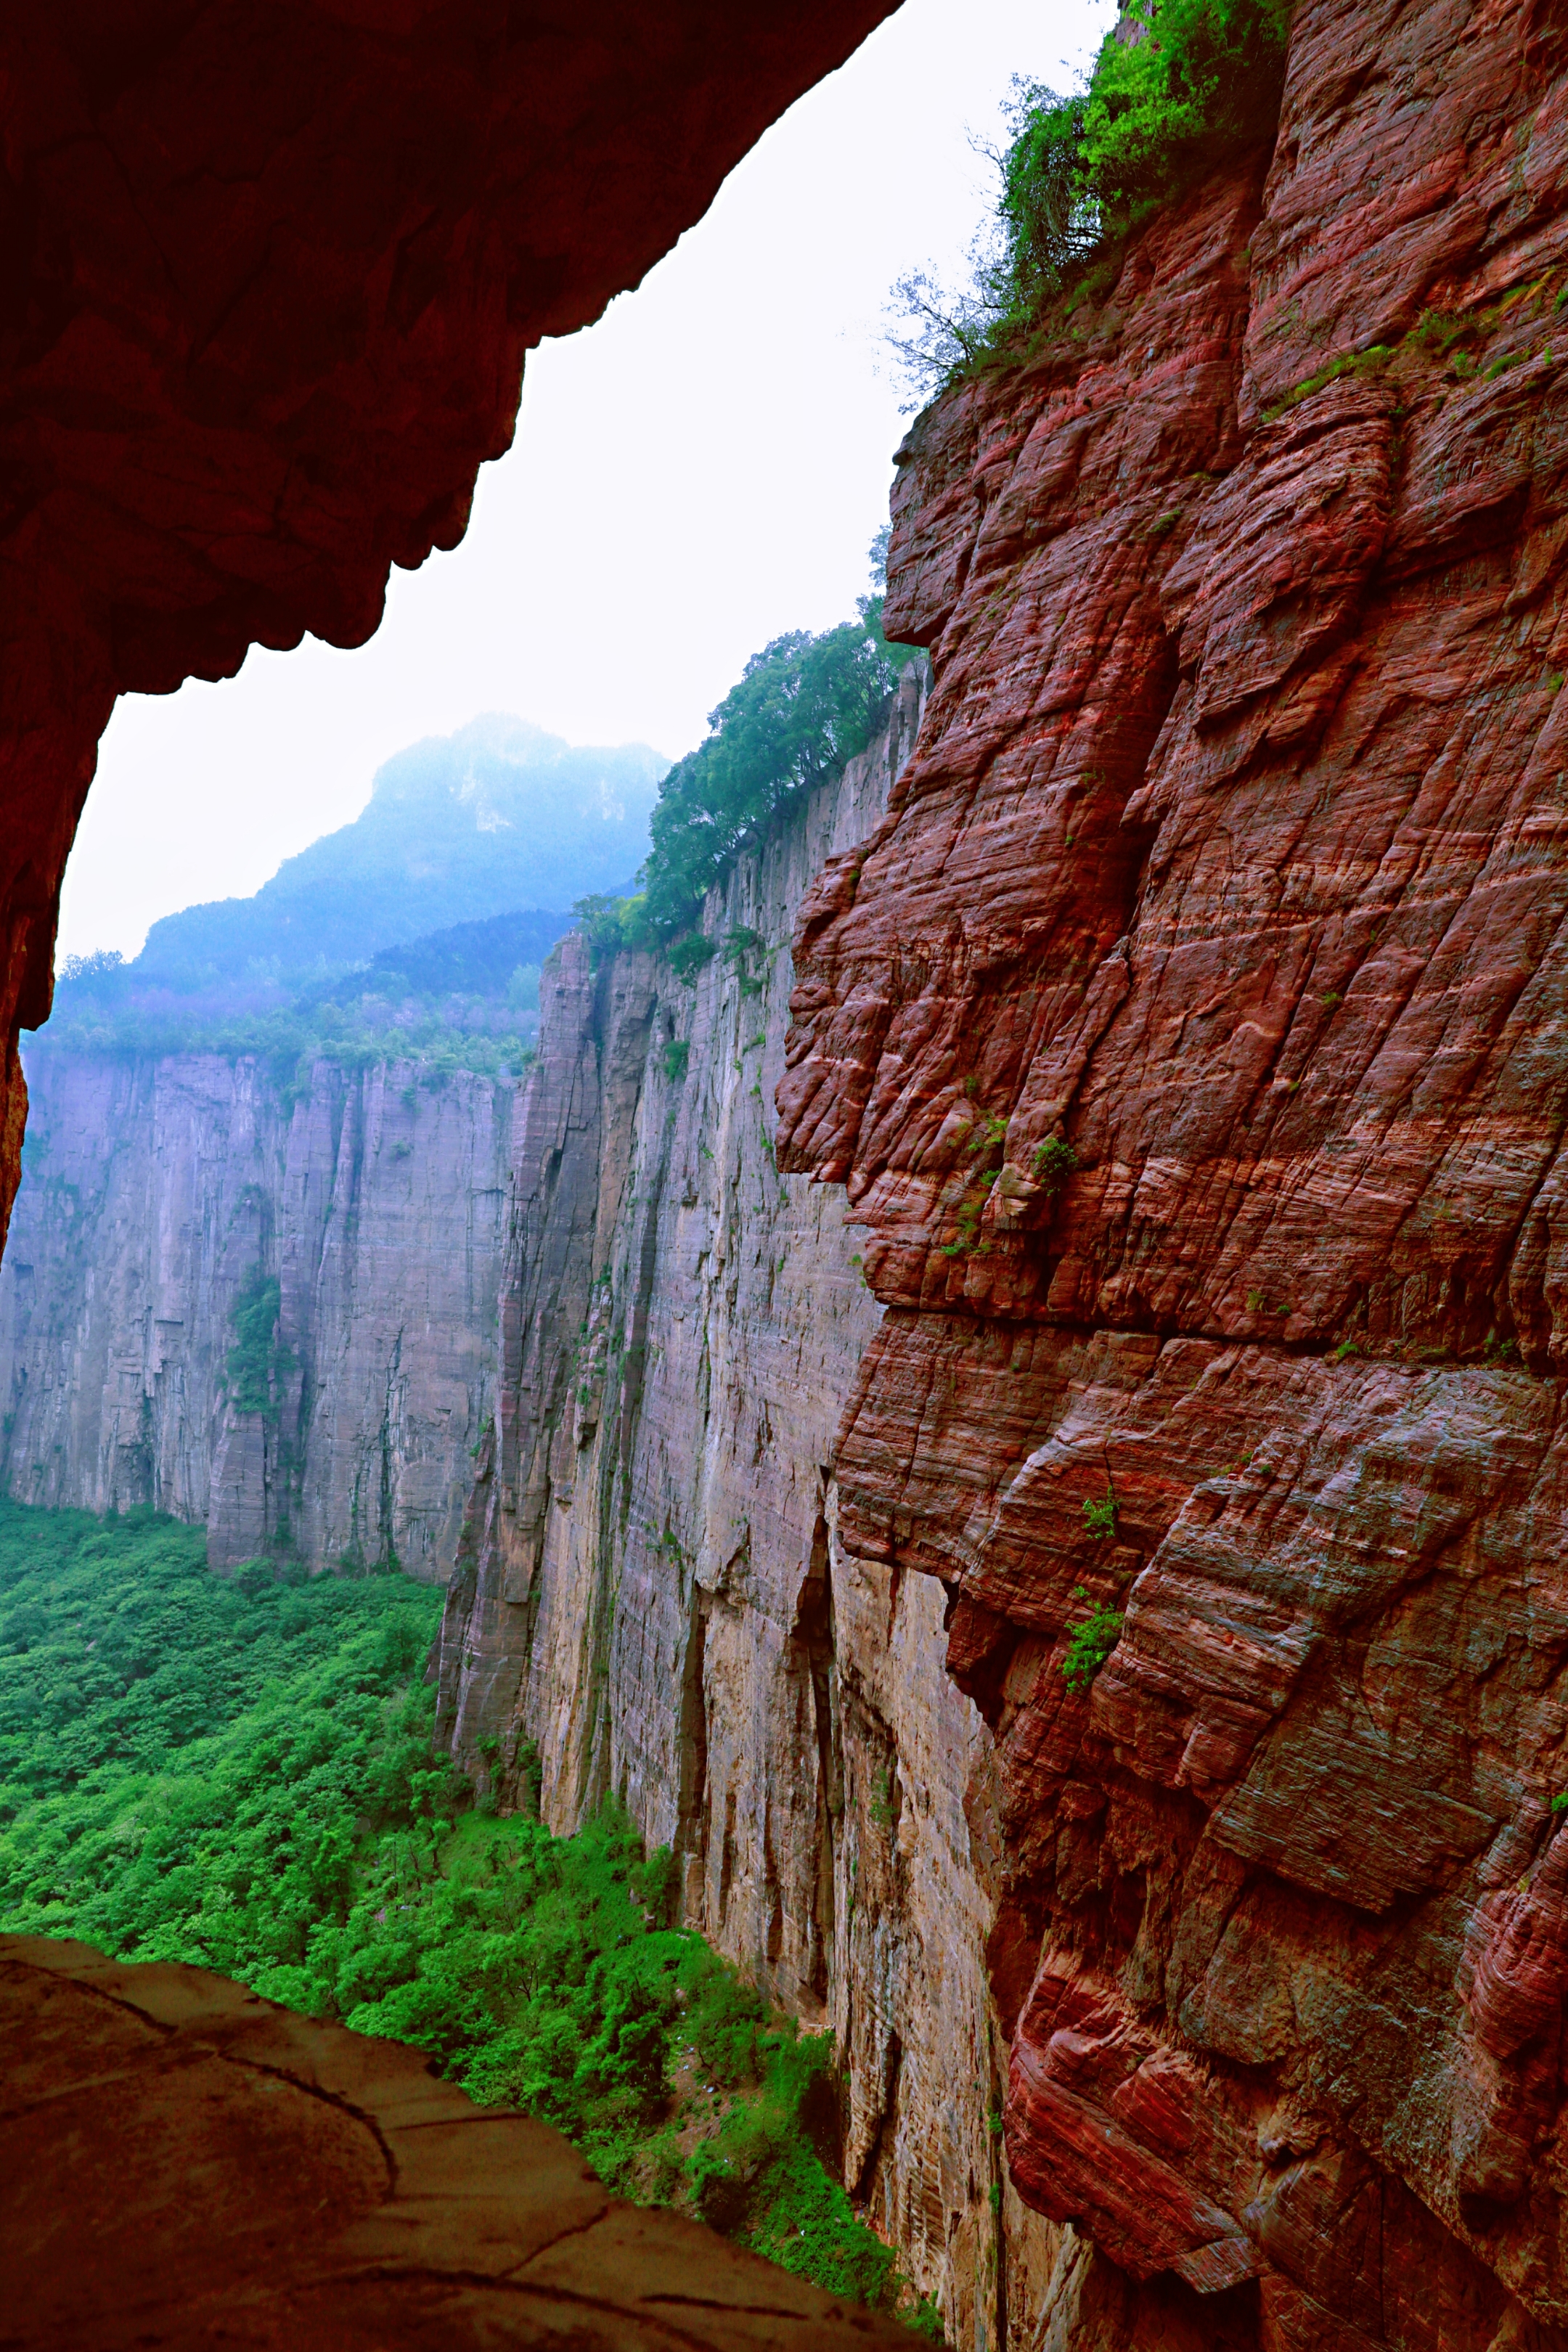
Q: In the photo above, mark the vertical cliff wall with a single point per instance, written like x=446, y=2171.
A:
x=162, y=1193
x=1190, y=1038
x=653, y=1588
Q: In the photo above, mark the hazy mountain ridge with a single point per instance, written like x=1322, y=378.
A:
x=498, y=816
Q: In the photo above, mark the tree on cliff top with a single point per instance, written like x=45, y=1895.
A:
x=801, y=708
x=1177, y=87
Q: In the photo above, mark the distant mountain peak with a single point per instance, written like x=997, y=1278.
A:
x=497, y=815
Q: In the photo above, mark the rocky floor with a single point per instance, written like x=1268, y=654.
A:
x=188, y=2165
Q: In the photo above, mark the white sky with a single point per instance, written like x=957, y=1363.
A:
x=702, y=469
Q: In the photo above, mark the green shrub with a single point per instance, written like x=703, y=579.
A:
x=1080, y=171
x=1091, y=1645
x=608, y=924
x=802, y=707
x=1099, y=1517
x=1204, y=80
x=257, y=1364
x=188, y=1760
x=1053, y=1164
x=676, y=1056
x=688, y=956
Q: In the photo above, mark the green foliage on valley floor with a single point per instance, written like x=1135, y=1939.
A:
x=238, y=1773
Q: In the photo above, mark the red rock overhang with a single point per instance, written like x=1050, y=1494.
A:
x=269, y=269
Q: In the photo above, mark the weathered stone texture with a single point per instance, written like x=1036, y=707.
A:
x=158, y=1190
x=1232, y=859
x=188, y=2164
x=271, y=268
x=654, y=1589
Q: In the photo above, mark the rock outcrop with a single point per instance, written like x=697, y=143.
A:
x=161, y=1193
x=653, y=1593
x=1190, y=1038
x=270, y=274
x=189, y=2165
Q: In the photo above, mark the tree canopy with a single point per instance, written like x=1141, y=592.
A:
x=1176, y=88
x=800, y=710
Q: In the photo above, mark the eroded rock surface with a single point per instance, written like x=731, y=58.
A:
x=655, y=1592
x=271, y=273
x=188, y=2164
x=160, y=1190
x=1190, y=1038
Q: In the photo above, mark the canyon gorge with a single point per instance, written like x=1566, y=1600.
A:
x=1025, y=1437
x=272, y=272
x=1187, y=1039
x=652, y=1597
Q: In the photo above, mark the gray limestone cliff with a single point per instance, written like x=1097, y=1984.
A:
x=652, y=1592
x=161, y=1193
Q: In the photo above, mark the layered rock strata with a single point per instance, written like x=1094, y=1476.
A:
x=1190, y=1038
x=165, y=1193
x=654, y=1593
x=270, y=274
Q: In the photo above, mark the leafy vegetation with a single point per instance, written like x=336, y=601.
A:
x=257, y=1364
x=1100, y=1515
x=1053, y=1162
x=688, y=956
x=1452, y=342
x=448, y=1004
x=1092, y=1643
x=985, y=1145
x=239, y=1774
x=1197, y=80
x=802, y=707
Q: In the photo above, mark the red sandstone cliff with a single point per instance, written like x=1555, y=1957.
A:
x=653, y=1591
x=267, y=272
x=1234, y=858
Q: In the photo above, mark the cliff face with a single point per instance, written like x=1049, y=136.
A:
x=160, y=1194
x=653, y=1588
x=1190, y=1037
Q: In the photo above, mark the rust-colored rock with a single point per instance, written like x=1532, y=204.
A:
x=271, y=270
x=1233, y=861
x=188, y=2165
x=655, y=1592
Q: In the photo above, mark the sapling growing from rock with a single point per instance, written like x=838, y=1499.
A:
x=1092, y=1643
x=1054, y=1161
x=1099, y=1517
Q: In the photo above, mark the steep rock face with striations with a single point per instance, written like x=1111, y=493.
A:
x=271, y=269
x=162, y=1194
x=653, y=1592
x=1190, y=1037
